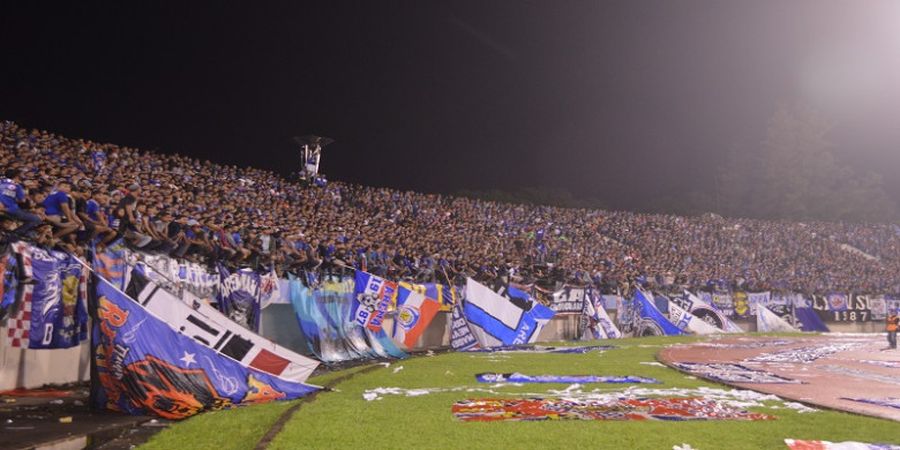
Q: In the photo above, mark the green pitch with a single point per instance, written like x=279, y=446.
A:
x=344, y=419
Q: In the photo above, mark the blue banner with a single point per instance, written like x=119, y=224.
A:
x=58, y=301
x=461, y=338
x=324, y=314
x=239, y=296
x=496, y=320
x=110, y=263
x=652, y=322
x=565, y=379
x=146, y=367
x=808, y=320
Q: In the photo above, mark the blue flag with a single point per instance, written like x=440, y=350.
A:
x=146, y=367
x=808, y=320
x=496, y=320
x=652, y=322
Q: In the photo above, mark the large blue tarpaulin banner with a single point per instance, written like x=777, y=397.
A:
x=146, y=367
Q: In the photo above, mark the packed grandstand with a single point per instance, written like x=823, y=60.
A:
x=75, y=191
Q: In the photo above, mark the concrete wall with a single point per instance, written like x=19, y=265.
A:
x=35, y=368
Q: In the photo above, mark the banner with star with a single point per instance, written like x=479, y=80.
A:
x=146, y=367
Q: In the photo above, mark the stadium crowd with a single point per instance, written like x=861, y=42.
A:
x=68, y=193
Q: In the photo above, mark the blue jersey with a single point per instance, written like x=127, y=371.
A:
x=54, y=202
x=11, y=194
x=92, y=209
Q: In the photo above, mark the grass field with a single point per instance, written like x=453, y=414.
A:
x=344, y=419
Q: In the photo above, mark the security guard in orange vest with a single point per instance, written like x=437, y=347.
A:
x=893, y=324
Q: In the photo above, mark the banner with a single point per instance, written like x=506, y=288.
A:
x=568, y=300
x=495, y=320
x=878, y=306
x=754, y=299
x=722, y=302
x=595, y=323
x=110, y=263
x=706, y=312
x=414, y=313
x=652, y=322
x=10, y=290
x=687, y=322
x=767, y=322
x=324, y=314
x=842, y=308
x=210, y=328
x=239, y=298
x=837, y=302
x=372, y=297
x=146, y=367
x=18, y=326
x=179, y=276
x=461, y=337
x=808, y=320
x=58, y=301
x=741, y=305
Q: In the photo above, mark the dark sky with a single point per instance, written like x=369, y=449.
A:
x=617, y=100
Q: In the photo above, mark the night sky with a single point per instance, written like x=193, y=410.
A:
x=620, y=101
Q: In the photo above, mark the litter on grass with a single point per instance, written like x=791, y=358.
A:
x=799, y=444
x=736, y=398
x=536, y=409
x=522, y=378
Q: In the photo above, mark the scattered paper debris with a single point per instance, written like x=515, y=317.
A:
x=652, y=363
x=397, y=369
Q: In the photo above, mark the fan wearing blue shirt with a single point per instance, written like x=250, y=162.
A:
x=58, y=209
x=11, y=194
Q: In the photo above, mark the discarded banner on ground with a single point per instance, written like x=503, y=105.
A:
x=146, y=367
x=208, y=327
x=415, y=312
x=566, y=379
x=888, y=402
x=651, y=321
x=544, y=349
x=238, y=296
x=372, y=297
x=671, y=409
x=732, y=373
x=804, y=354
x=800, y=444
x=496, y=320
